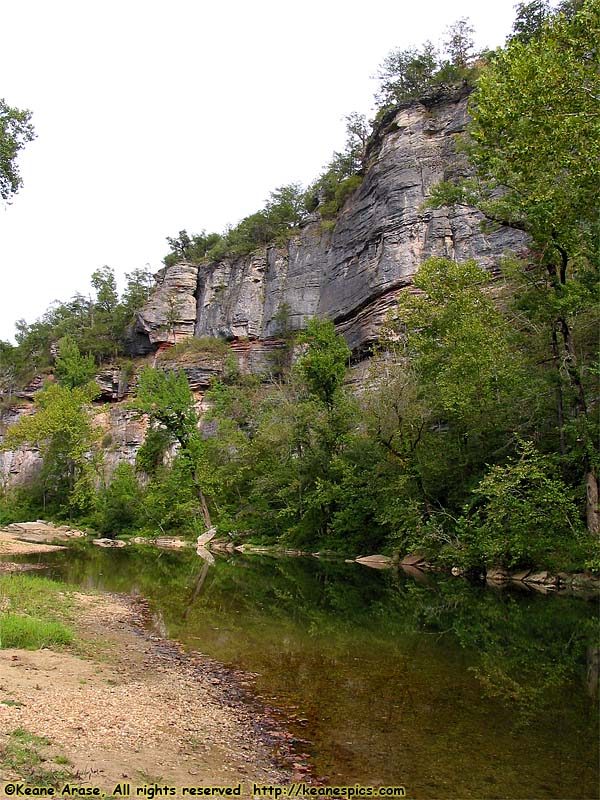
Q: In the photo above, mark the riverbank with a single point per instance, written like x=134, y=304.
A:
x=124, y=706
x=11, y=545
x=27, y=538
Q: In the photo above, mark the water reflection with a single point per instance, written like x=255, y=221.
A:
x=448, y=688
x=208, y=560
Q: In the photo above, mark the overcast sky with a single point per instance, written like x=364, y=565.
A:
x=153, y=116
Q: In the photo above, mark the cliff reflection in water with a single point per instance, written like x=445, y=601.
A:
x=448, y=688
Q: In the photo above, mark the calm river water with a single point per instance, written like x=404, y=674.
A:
x=452, y=690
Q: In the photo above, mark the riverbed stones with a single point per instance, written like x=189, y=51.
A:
x=497, y=575
x=10, y=544
x=521, y=575
x=412, y=560
x=103, y=542
x=376, y=561
x=542, y=577
x=170, y=542
x=40, y=531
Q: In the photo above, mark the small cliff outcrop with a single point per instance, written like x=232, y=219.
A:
x=351, y=274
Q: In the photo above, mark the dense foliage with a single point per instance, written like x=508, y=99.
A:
x=62, y=430
x=534, y=143
x=472, y=436
x=94, y=325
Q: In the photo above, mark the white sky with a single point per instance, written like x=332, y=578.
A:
x=157, y=115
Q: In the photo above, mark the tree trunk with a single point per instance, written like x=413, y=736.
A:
x=205, y=511
x=559, y=395
x=571, y=363
x=592, y=512
x=591, y=501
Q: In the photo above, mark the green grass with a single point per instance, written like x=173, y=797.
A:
x=31, y=594
x=31, y=758
x=34, y=612
x=30, y=633
x=205, y=344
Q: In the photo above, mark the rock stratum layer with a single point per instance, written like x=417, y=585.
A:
x=352, y=274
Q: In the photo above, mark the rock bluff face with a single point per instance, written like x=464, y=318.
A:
x=352, y=274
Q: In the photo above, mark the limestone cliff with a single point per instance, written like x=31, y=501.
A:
x=351, y=274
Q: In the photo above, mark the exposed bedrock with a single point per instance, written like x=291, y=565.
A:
x=353, y=273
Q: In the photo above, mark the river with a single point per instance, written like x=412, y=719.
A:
x=449, y=689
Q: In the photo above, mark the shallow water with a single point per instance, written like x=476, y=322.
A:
x=449, y=689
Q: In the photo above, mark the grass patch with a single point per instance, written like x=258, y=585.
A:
x=205, y=344
x=34, y=612
x=30, y=633
x=36, y=596
x=30, y=757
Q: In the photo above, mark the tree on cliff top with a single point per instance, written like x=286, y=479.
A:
x=409, y=74
x=15, y=131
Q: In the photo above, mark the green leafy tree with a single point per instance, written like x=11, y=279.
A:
x=459, y=43
x=530, y=19
x=278, y=455
x=104, y=336
x=459, y=342
x=171, y=499
x=168, y=401
x=9, y=369
x=524, y=516
x=61, y=428
x=150, y=456
x=120, y=504
x=105, y=285
x=536, y=136
x=194, y=248
x=15, y=131
x=357, y=138
x=138, y=286
x=453, y=401
x=406, y=74
x=412, y=73
x=342, y=175
x=180, y=244
x=97, y=324
x=71, y=368
x=324, y=364
x=285, y=209
x=535, y=146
